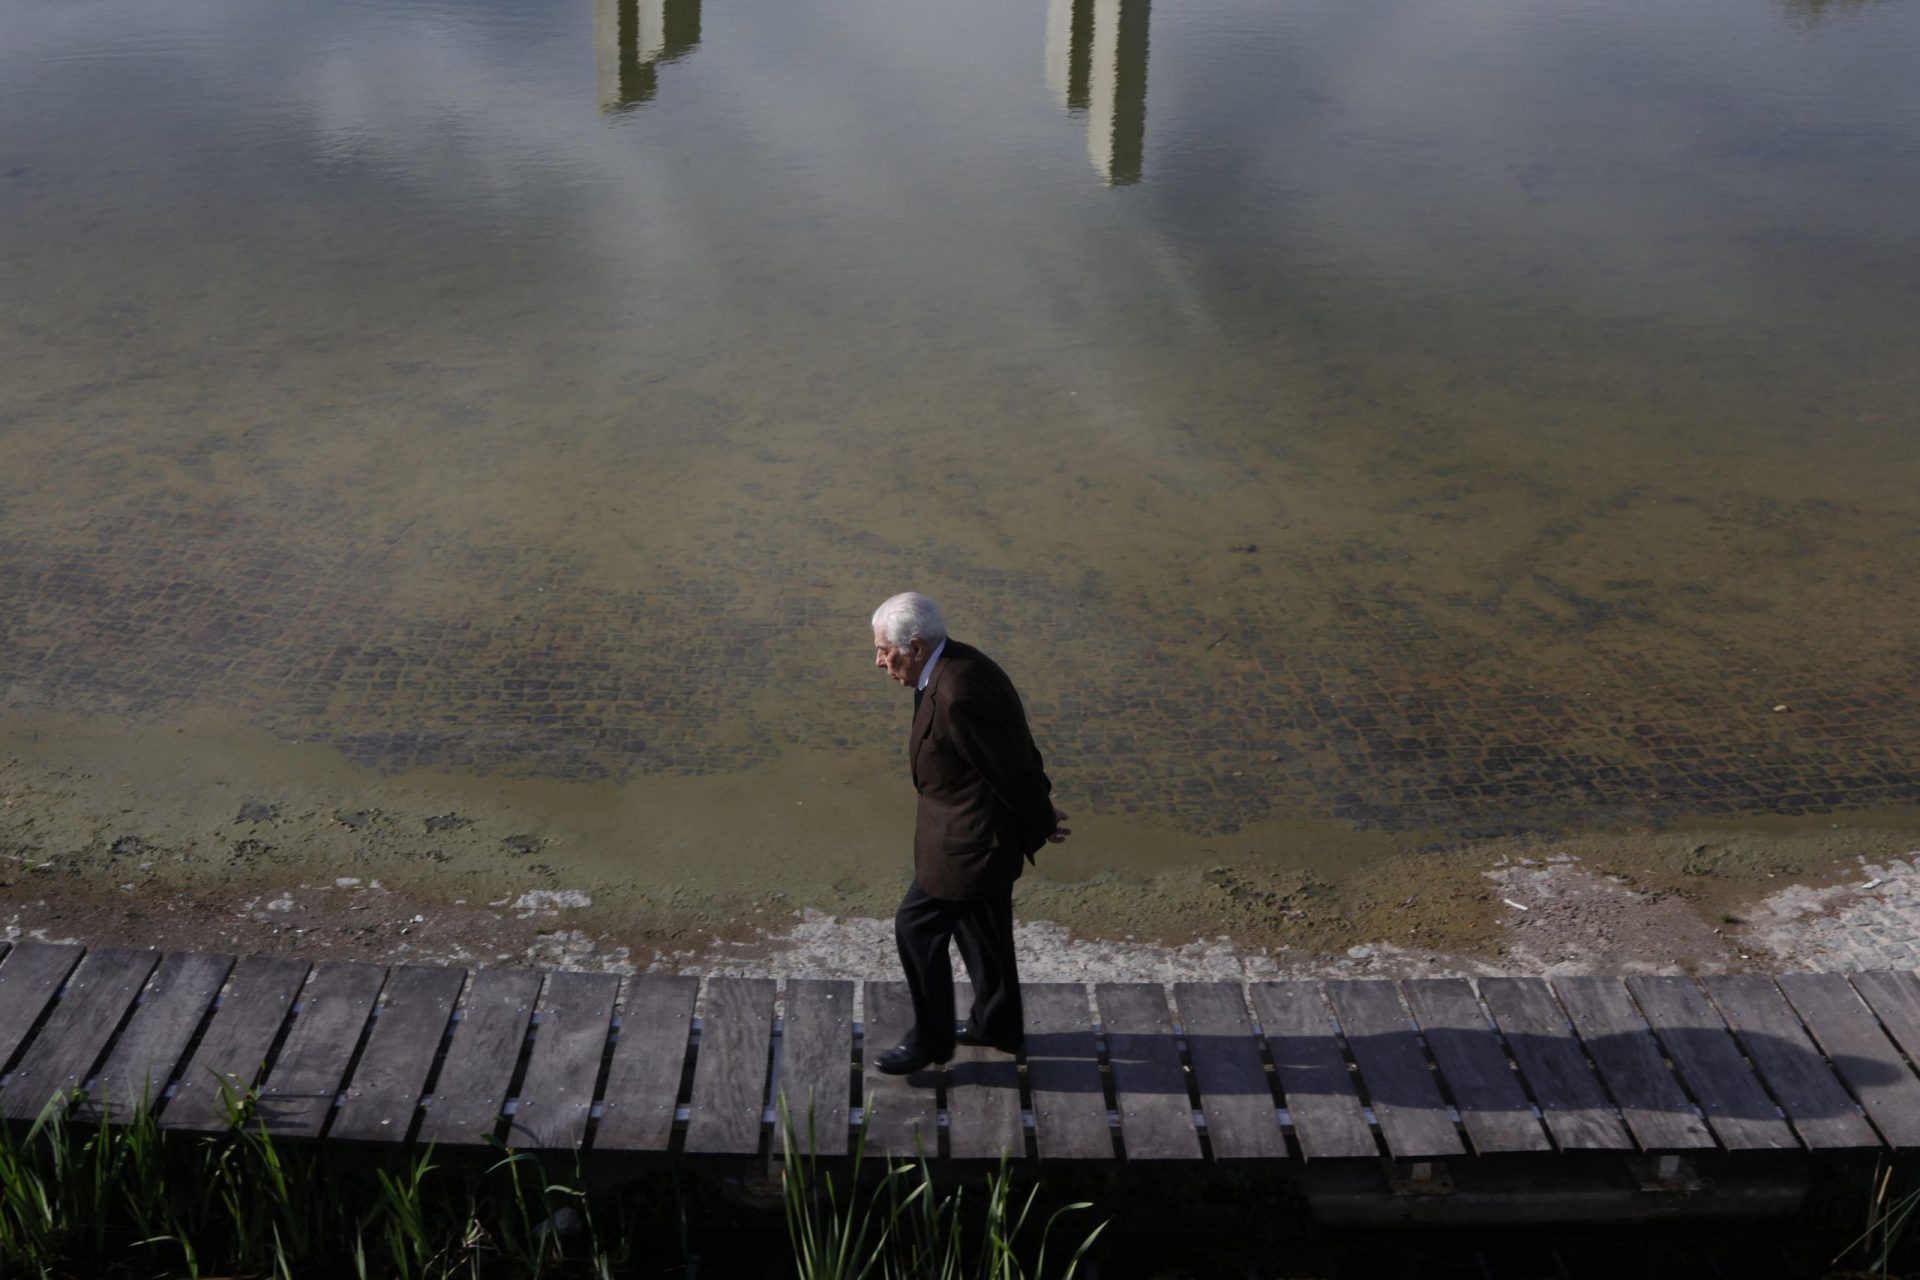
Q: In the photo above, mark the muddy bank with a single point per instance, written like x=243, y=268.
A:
x=142, y=834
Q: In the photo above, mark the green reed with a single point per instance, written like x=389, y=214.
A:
x=82, y=1197
x=92, y=1198
x=1890, y=1213
x=905, y=1226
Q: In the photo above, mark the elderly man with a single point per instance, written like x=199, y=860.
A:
x=984, y=807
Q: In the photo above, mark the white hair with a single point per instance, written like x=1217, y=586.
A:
x=907, y=617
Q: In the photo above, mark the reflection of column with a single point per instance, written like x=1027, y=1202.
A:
x=1117, y=89
x=631, y=38
x=1069, y=45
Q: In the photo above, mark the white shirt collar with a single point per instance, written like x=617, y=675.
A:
x=926, y=672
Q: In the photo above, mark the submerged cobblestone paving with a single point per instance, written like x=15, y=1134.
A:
x=497, y=659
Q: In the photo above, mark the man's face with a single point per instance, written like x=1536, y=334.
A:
x=903, y=664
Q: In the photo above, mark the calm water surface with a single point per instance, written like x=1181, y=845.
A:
x=1451, y=416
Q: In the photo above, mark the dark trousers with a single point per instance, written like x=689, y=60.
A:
x=983, y=930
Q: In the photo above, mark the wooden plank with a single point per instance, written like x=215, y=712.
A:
x=1406, y=1100
x=1555, y=1066
x=983, y=1099
x=1737, y=1108
x=1629, y=1060
x=1816, y=1103
x=232, y=1054
x=1493, y=1107
x=816, y=1065
x=384, y=1093
x=1235, y=1094
x=98, y=995
x=1851, y=1038
x=730, y=1073
x=569, y=1044
x=1149, y=1086
x=142, y=1060
x=332, y=1012
x=649, y=1058
x=488, y=1034
x=1318, y=1091
x=899, y=1110
x=1894, y=996
x=30, y=977
x=1063, y=1073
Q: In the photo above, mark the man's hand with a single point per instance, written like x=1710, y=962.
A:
x=1059, y=833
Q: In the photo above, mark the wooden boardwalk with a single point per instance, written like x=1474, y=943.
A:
x=1421, y=1073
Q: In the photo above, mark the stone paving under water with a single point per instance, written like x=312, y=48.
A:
x=1386, y=712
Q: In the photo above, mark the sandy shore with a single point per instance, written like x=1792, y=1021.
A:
x=1562, y=913
x=121, y=836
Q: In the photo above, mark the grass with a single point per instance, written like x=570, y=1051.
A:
x=86, y=1198
x=89, y=1198
x=905, y=1226
x=1889, y=1214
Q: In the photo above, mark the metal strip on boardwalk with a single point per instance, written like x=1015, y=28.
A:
x=1852, y=1039
x=385, y=1090
x=1329, y=1120
x=1406, y=1101
x=569, y=1043
x=481, y=1056
x=142, y=1059
x=1493, y=1107
x=1629, y=1060
x=98, y=996
x=1821, y=1110
x=232, y=1054
x=900, y=1115
x=1156, y=1115
x=298, y=1094
x=983, y=1099
x=1555, y=1066
x=730, y=1073
x=1242, y=1121
x=30, y=977
x=1737, y=1108
x=649, y=1059
x=1063, y=1074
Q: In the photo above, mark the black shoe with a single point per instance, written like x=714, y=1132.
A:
x=903, y=1060
x=965, y=1035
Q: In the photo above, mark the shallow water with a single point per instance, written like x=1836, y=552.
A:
x=1433, y=419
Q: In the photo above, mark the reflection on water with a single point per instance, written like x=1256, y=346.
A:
x=1481, y=417
x=1812, y=11
x=631, y=39
x=1097, y=67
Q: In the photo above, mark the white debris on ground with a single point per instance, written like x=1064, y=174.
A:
x=1552, y=916
x=819, y=945
x=574, y=949
x=1581, y=921
x=13, y=931
x=1567, y=918
x=1564, y=918
x=552, y=900
x=1871, y=923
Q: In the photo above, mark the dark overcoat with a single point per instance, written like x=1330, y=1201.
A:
x=984, y=796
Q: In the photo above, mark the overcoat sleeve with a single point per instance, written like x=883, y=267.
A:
x=991, y=734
